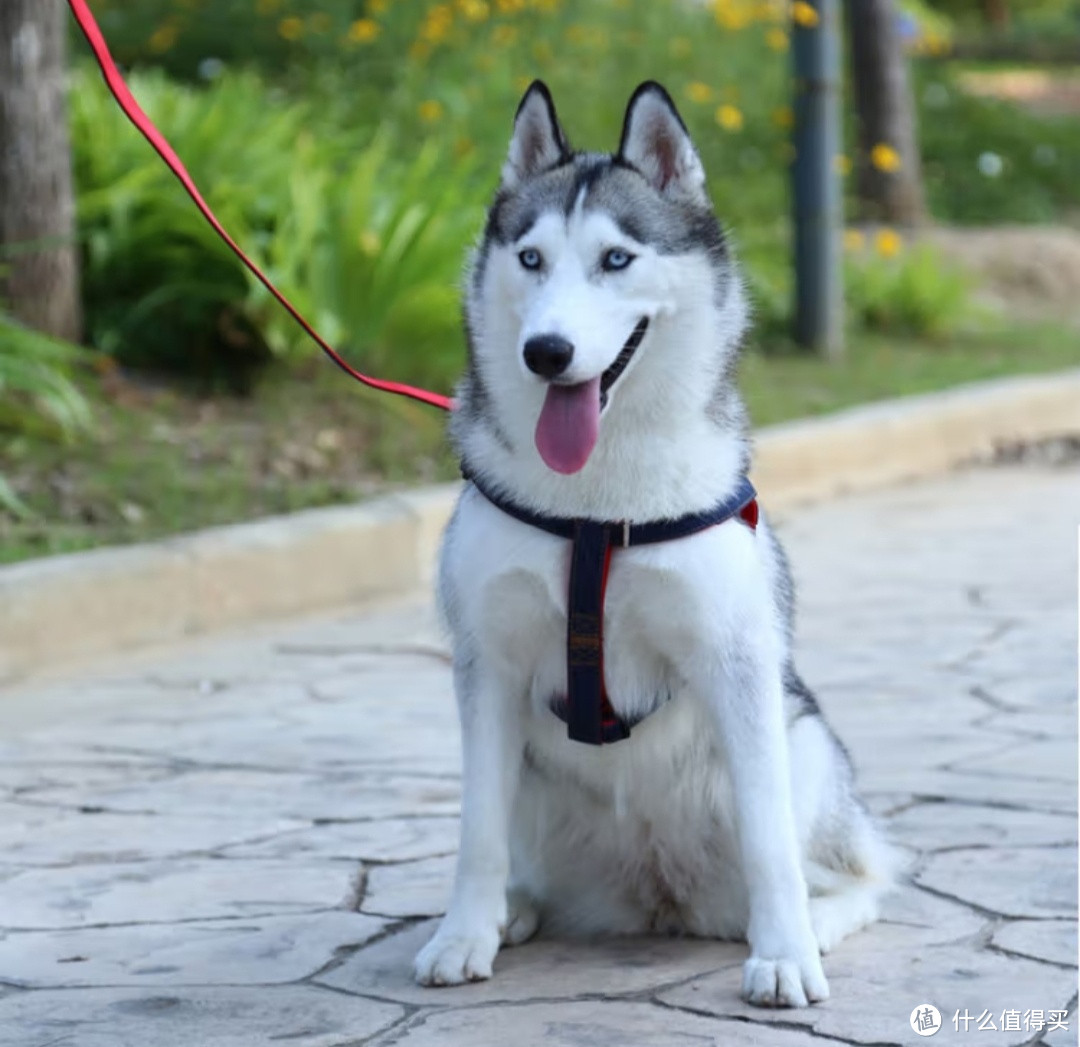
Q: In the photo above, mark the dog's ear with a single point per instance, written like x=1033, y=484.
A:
x=656, y=142
x=538, y=141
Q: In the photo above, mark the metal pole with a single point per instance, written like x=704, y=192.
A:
x=819, y=288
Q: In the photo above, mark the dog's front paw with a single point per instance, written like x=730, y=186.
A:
x=456, y=955
x=784, y=982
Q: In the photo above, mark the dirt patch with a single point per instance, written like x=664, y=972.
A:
x=1028, y=272
x=1042, y=92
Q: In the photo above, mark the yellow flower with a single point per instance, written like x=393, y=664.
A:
x=842, y=164
x=420, y=51
x=504, y=35
x=733, y=14
x=437, y=23
x=363, y=31
x=474, y=10
x=729, y=118
x=378, y=7
x=805, y=14
x=699, y=92
x=163, y=38
x=888, y=243
x=290, y=28
x=777, y=39
x=885, y=158
x=547, y=7
x=854, y=240
x=510, y=7
x=267, y=7
x=784, y=117
x=430, y=110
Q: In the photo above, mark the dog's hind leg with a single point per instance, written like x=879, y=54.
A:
x=522, y=917
x=846, y=885
x=835, y=916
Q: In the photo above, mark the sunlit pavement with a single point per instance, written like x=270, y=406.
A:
x=245, y=841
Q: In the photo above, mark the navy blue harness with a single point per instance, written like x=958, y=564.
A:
x=587, y=710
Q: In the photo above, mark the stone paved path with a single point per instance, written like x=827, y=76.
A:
x=244, y=842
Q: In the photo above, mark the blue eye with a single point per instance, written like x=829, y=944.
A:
x=530, y=258
x=615, y=259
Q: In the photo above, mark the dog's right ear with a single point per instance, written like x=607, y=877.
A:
x=538, y=141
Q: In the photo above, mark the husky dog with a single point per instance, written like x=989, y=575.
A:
x=605, y=313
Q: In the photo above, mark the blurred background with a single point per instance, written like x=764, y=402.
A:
x=149, y=385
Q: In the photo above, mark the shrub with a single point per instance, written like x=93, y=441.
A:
x=914, y=292
x=37, y=395
x=349, y=232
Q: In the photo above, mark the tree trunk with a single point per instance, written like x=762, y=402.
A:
x=996, y=12
x=885, y=117
x=39, y=277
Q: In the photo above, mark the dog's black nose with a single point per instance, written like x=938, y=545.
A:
x=548, y=355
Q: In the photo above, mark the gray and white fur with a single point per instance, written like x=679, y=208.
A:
x=730, y=812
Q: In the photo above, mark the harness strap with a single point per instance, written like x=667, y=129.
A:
x=92, y=31
x=587, y=710
x=590, y=716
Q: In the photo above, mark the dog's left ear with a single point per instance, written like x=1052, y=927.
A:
x=538, y=142
x=656, y=142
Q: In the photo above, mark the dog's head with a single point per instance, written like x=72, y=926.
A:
x=602, y=279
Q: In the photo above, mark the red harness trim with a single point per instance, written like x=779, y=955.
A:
x=115, y=81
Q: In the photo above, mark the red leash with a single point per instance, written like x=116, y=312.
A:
x=135, y=114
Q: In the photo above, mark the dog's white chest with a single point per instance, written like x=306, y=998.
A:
x=513, y=583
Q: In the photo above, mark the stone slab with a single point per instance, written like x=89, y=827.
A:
x=411, y=889
x=382, y=840
x=205, y=1017
x=878, y=978
x=182, y=889
x=539, y=969
x=1051, y=940
x=269, y=950
x=1012, y=881
x=593, y=1024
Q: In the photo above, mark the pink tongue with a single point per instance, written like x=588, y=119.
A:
x=568, y=426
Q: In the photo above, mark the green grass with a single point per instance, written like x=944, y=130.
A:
x=780, y=387
x=162, y=463
x=1037, y=180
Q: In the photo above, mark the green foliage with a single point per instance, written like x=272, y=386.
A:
x=37, y=395
x=355, y=161
x=915, y=293
x=1022, y=10
x=351, y=233
x=987, y=161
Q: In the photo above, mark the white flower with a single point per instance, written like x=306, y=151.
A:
x=211, y=68
x=990, y=164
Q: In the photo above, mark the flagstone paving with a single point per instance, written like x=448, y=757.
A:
x=244, y=841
